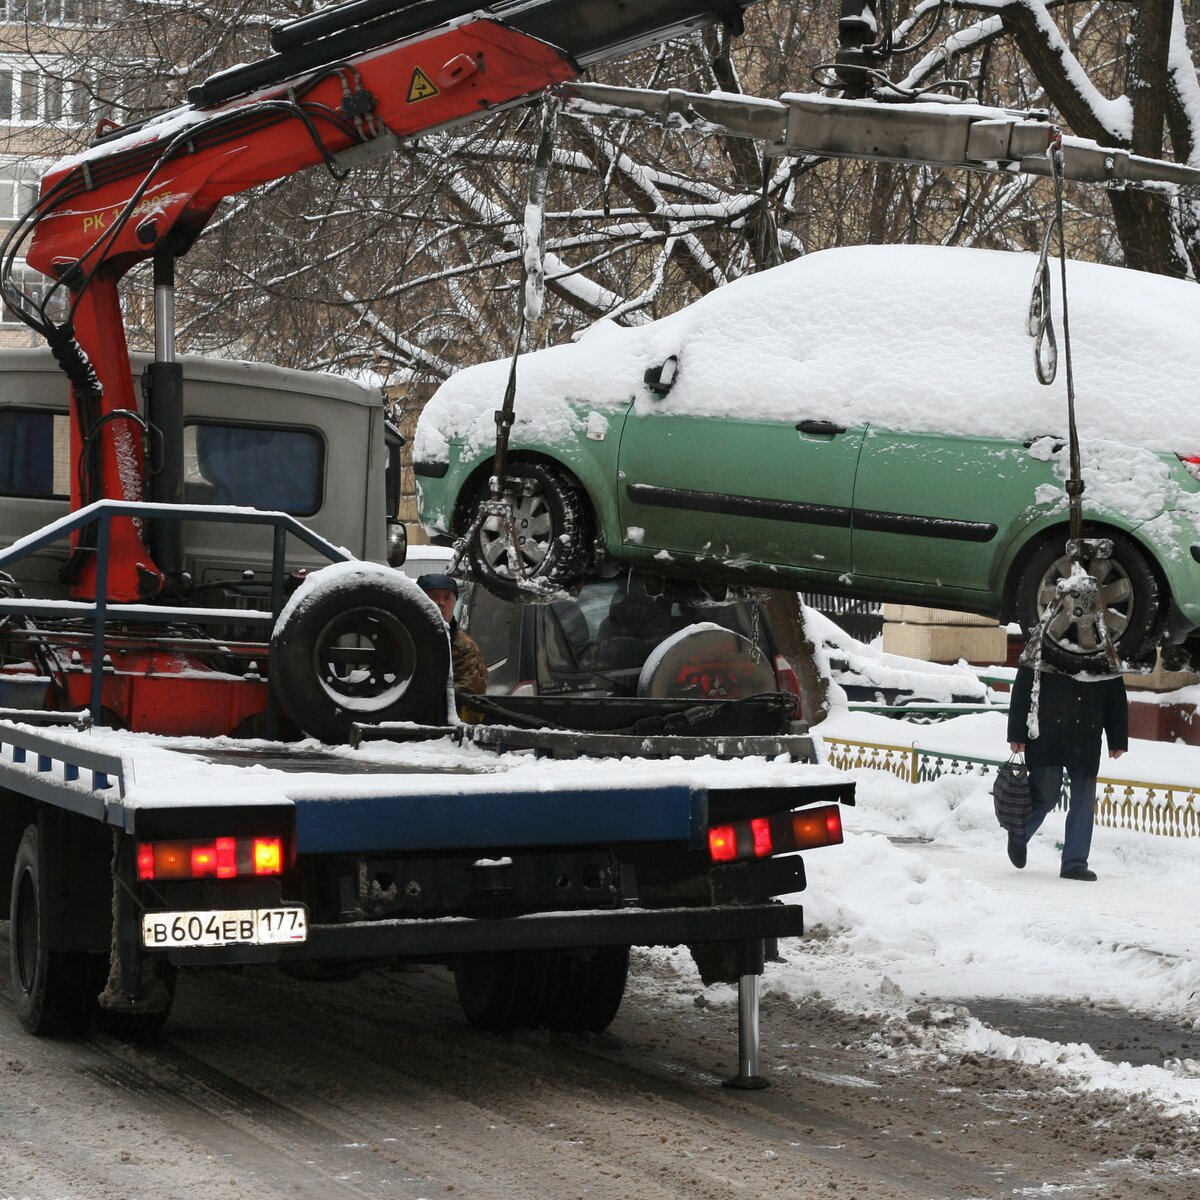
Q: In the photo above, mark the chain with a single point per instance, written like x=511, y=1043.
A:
x=1081, y=589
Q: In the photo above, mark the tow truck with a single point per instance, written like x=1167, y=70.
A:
x=142, y=836
x=157, y=811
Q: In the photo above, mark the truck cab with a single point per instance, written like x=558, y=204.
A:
x=314, y=445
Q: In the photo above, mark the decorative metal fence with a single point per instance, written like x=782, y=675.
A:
x=1165, y=809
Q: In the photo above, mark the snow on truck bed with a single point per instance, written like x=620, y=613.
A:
x=162, y=772
x=917, y=338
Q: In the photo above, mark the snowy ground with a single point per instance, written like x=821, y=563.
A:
x=941, y=1032
x=921, y=909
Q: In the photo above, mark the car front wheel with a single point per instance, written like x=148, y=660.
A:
x=1133, y=602
x=546, y=549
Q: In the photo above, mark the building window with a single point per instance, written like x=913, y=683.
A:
x=40, y=94
x=35, y=285
x=20, y=179
x=51, y=12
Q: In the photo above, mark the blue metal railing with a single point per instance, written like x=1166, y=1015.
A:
x=101, y=611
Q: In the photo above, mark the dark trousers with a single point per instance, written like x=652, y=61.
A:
x=1045, y=786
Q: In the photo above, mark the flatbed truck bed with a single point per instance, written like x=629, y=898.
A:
x=502, y=864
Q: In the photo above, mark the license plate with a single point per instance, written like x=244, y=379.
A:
x=234, y=927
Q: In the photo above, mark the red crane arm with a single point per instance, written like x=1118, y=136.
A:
x=444, y=77
x=156, y=188
x=350, y=81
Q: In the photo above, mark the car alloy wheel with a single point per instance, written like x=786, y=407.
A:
x=550, y=542
x=1134, y=607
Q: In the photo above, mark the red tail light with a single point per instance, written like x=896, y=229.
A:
x=722, y=843
x=221, y=858
x=817, y=827
x=204, y=861
x=760, y=831
x=226, y=858
x=762, y=837
x=1192, y=463
x=786, y=679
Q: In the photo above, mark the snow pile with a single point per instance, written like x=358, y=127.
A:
x=920, y=338
x=948, y=920
x=920, y=913
x=847, y=662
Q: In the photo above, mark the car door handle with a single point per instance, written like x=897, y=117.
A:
x=819, y=427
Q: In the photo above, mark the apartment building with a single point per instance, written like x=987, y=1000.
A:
x=48, y=106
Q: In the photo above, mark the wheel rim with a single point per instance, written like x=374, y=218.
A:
x=25, y=932
x=1068, y=630
x=533, y=529
x=364, y=659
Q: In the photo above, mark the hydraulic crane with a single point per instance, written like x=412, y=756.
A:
x=346, y=84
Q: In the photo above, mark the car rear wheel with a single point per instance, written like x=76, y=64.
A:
x=1135, y=607
x=54, y=992
x=548, y=545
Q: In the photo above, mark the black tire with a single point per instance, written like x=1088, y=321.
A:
x=1184, y=656
x=565, y=991
x=55, y=992
x=140, y=1026
x=553, y=532
x=374, y=613
x=1135, y=604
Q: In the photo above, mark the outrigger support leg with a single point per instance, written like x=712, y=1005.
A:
x=750, y=969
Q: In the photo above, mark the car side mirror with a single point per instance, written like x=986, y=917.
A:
x=660, y=379
x=397, y=543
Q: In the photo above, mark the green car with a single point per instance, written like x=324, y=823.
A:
x=865, y=421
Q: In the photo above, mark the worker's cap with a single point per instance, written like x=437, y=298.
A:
x=434, y=583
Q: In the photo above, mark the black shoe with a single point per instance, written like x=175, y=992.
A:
x=1078, y=873
x=1017, y=852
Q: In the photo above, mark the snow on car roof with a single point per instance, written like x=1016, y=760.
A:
x=919, y=338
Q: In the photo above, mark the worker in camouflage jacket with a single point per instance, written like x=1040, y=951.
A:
x=470, y=671
x=1069, y=716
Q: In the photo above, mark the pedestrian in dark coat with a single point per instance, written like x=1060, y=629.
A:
x=1072, y=712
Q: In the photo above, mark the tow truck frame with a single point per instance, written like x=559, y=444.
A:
x=347, y=84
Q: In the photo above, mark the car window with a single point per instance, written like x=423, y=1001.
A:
x=496, y=627
x=254, y=466
x=596, y=642
x=34, y=453
x=600, y=640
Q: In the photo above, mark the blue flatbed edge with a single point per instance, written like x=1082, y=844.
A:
x=579, y=817
x=358, y=804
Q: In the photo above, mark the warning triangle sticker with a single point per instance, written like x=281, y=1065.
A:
x=420, y=87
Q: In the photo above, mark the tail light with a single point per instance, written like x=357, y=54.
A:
x=1192, y=463
x=220, y=858
x=786, y=679
x=527, y=687
x=764, y=836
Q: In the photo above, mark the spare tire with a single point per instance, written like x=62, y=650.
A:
x=706, y=661
x=360, y=643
